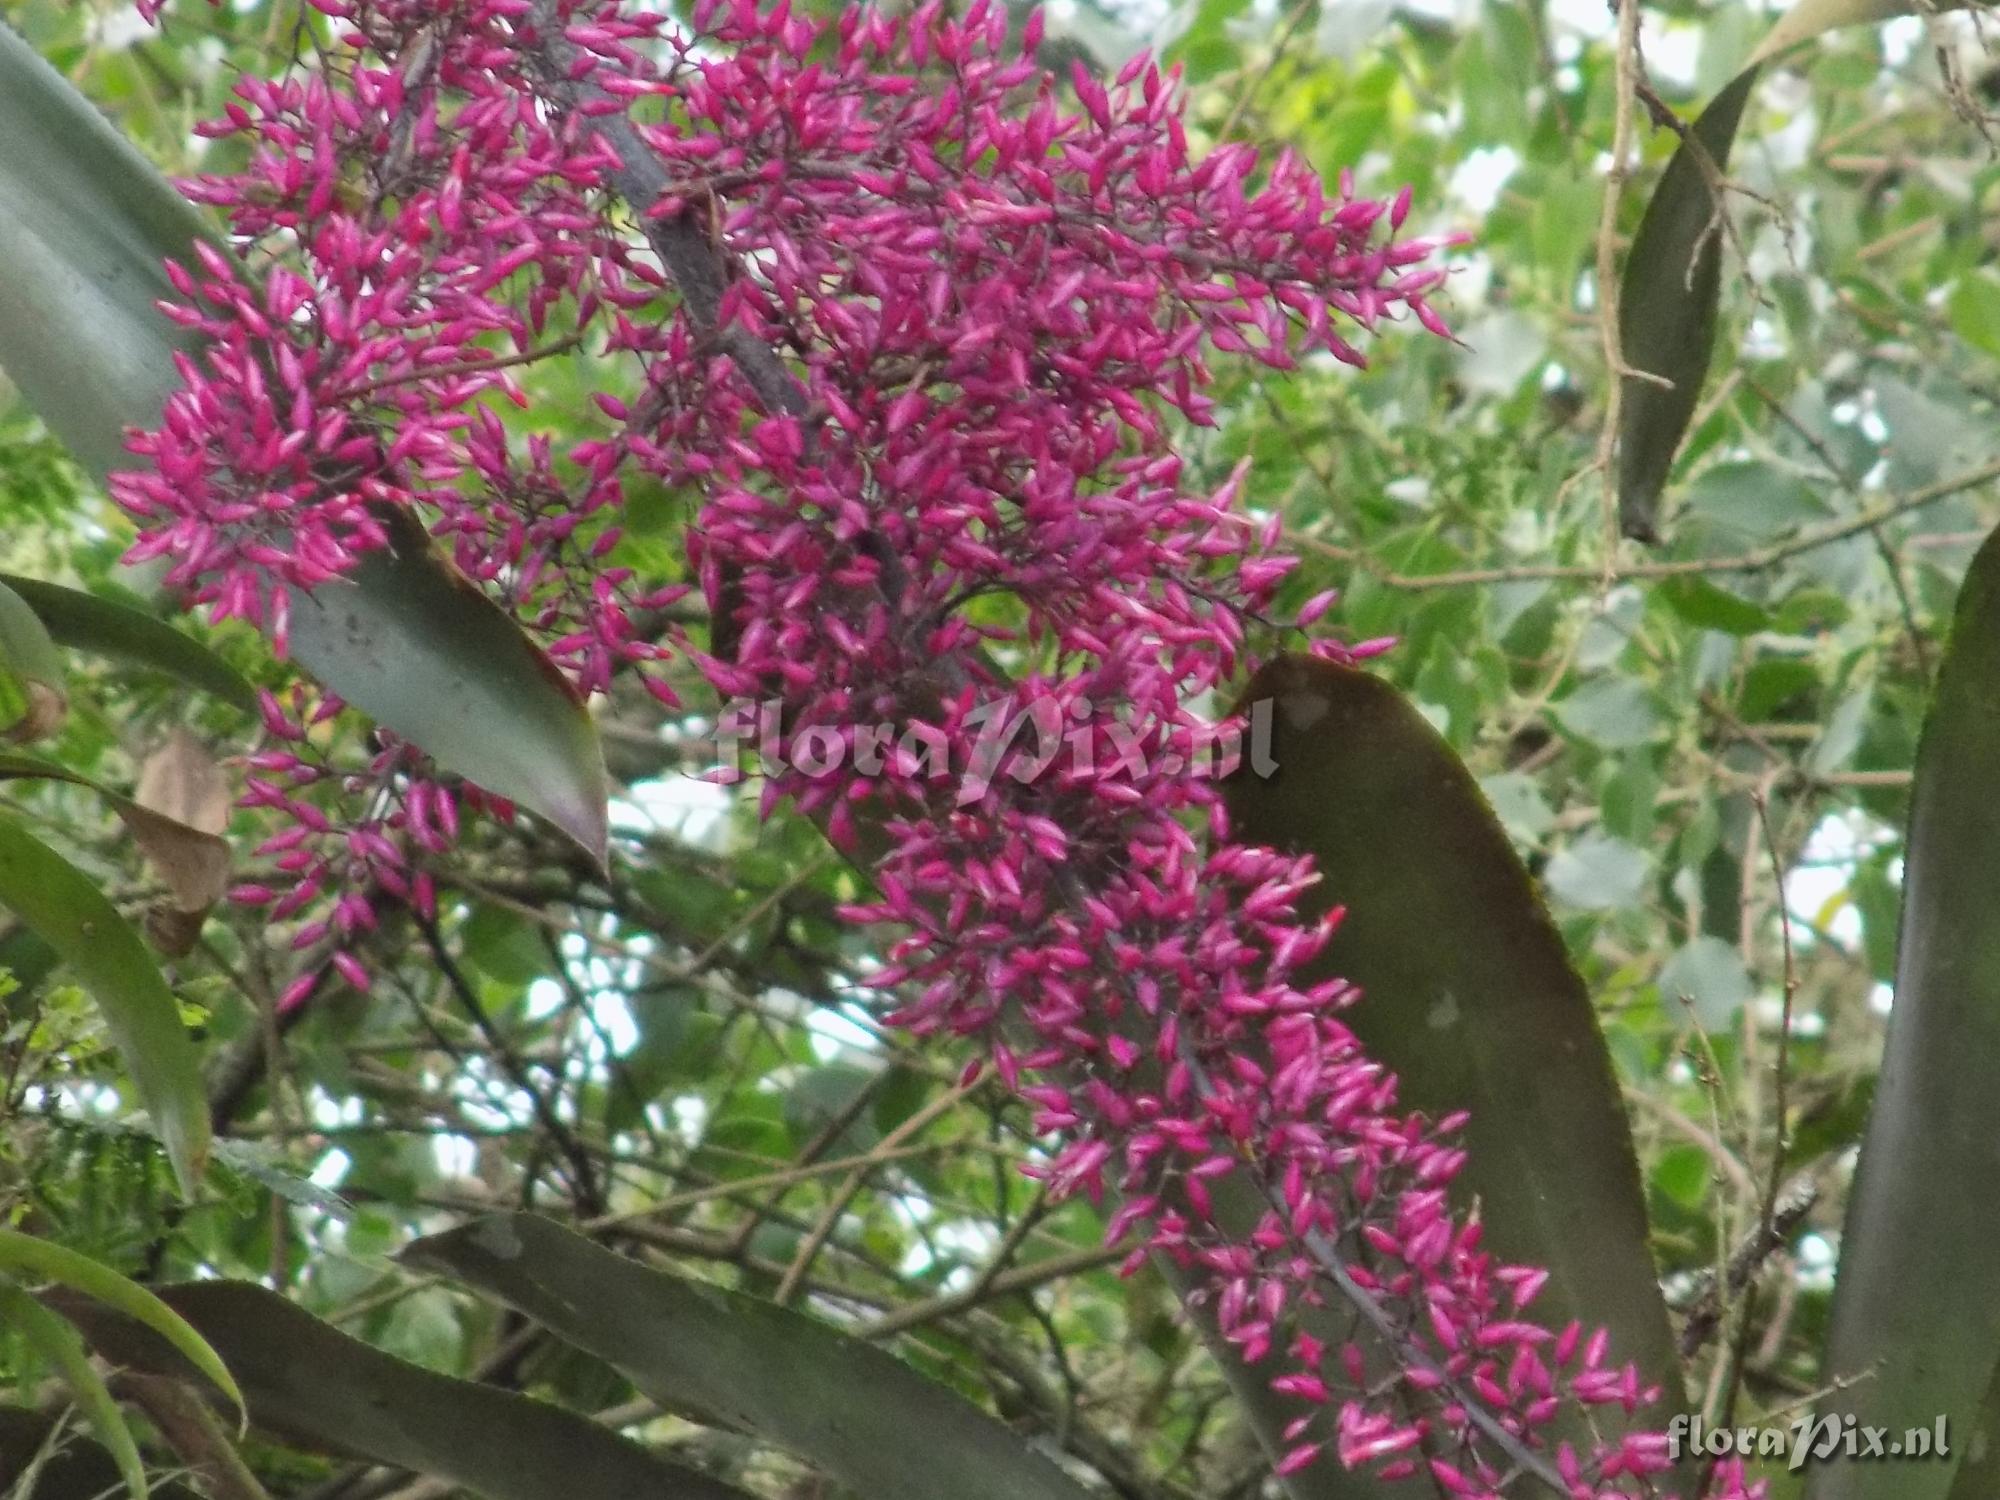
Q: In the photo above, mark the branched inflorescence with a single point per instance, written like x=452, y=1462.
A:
x=909, y=322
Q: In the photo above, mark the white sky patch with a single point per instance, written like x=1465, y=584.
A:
x=115, y=30
x=1902, y=37
x=1476, y=182
x=694, y=811
x=1585, y=17
x=832, y=1033
x=1816, y=887
x=1816, y=1262
x=1673, y=54
x=456, y=1155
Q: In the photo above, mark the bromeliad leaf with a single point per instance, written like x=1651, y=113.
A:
x=1493, y=1020
x=85, y=224
x=37, y=1259
x=89, y=622
x=845, y=1406
x=33, y=700
x=1916, y=1308
x=69, y=913
x=310, y=1384
x=57, y=1343
x=1672, y=284
x=194, y=862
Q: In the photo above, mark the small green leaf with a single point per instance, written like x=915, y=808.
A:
x=51, y=896
x=1598, y=873
x=1613, y=713
x=1974, y=309
x=1709, y=974
x=108, y=628
x=1702, y=603
x=24, y=1255
x=1916, y=1309
x=57, y=1342
x=845, y=1406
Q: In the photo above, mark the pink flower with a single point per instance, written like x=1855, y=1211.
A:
x=914, y=335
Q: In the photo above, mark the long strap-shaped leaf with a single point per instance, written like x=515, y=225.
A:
x=67, y=911
x=1467, y=993
x=92, y=623
x=311, y=1384
x=1916, y=1311
x=57, y=1343
x=1673, y=275
x=41, y=1260
x=46, y=1462
x=847, y=1407
x=85, y=224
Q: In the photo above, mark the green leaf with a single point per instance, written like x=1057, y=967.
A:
x=1974, y=309
x=842, y=1405
x=1702, y=603
x=193, y=863
x=1666, y=311
x=1598, y=873
x=411, y=642
x=1916, y=1310
x=84, y=225
x=1667, y=298
x=56, y=1342
x=33, y=699
x=1709, y=974
x=88, y=622
x=1494, y=1020
x=24, y=1255
x=50, y=1463
x=49, y=894
x=314, y=1386
x=1614, y=713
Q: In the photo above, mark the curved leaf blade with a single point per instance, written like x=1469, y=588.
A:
x=844, y=1406
x=1668, y=295
x=482, y=699
x=48, y=1462
x=88, y=622
x=1467, y=992
x=58, y=1344
x=23, y=1254
x=56, y=900
x=1916, y=1307
x=85, y=223
x=311, y=1384
x=193, y=862
x=1667, y=309
x=34, y=700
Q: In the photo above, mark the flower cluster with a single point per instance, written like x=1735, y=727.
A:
x=914, y=321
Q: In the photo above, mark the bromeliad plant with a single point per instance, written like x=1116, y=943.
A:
x=909, y=326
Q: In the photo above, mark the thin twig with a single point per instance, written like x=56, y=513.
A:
x=1757, y=560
